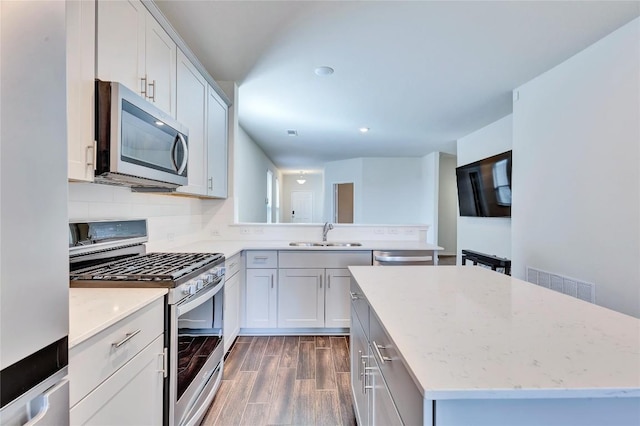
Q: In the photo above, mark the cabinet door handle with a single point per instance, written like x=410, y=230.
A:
x=143, y=89
x=210, y=183
x=377, y=347
x=328, y=281
x=165, y=363
x=90, y=154
x=364, y=376
x=320, y=281
x=153, y=97
x=271, y=280
x=359, y=364
x=128, y=337
x=354, y=296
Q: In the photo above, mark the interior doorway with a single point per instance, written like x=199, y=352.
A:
x=301, y=206
x=343, y=202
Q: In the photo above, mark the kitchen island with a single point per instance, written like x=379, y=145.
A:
x=464, y=345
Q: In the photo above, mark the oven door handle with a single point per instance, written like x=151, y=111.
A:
x=198, y=299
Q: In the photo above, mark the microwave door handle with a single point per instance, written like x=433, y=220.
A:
x=173, y=153
x=186, y=153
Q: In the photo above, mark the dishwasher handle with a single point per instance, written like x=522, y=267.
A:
x=402, y=259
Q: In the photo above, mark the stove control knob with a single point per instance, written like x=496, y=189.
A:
x=209, y=278
x=199, y=284
x=190, y=289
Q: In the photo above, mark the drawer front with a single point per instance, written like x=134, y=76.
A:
x=323, y=259
x=232, y=266
x=131, y=396
x=360, y=305
x=404, y=392
x=97, y=358
x=262, y=259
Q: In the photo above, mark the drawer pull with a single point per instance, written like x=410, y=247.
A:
x=377, y=347
x=260, y=257
x=354, y=296
x=128, y=337
x=365, y=385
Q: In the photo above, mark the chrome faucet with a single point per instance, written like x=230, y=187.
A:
x=325, y=230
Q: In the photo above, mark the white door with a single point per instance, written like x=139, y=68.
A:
x=301, y=206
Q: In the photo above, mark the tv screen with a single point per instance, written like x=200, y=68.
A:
x=484, y=187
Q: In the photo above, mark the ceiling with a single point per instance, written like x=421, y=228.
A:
x=419, y=74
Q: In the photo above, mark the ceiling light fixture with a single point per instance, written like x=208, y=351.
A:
x=323, y=71
x=301, y=180
x=363, y=129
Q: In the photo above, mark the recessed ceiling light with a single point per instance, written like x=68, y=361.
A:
x=322, y=71
x=363, y=129
x=159, y=123
x=292, y=132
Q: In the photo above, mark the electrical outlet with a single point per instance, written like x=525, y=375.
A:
x=171, y=237
x=409, y=231
x=245, y=231
x=258, y=231
x=393, y=231
x=215, y=232
x=378, y=231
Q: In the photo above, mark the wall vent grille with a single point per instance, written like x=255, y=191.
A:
x=571, y=286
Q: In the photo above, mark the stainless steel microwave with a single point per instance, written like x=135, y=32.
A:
x=138, y=145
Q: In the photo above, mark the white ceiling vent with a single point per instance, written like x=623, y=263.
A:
x=292, y=132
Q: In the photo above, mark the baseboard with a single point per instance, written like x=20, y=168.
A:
x=294, y=331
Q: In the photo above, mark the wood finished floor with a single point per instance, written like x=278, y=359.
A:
x=285, y=380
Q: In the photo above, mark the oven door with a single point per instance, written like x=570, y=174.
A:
x=196, y=353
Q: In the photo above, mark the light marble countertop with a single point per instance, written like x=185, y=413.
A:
x=231, y=248
x=92, y=310
x=467, y=332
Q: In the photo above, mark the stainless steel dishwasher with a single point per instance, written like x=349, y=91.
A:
x=404, y=257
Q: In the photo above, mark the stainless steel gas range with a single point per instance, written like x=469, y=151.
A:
x=112, y=254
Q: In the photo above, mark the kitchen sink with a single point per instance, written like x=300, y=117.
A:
x=323, y=244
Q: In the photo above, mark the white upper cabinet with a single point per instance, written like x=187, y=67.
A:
x=160, y=61
x=191, y=110
x=81, y=22
x=217, y=138
x=133, y=49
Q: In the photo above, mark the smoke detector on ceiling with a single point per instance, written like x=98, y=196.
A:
x=323, y=71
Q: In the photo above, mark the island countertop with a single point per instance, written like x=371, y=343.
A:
x=465, y=332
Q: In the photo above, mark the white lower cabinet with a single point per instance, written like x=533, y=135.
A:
x=337, y=306
x=231, y=301
x=261, y=298
x=301, y=298
x=117, y=376
x=313, y=297
x=131, y=396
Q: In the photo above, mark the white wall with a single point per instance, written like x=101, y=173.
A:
x=251, y=165
x=491, y=235
x=391, y=191
x=430, y=167
x=447, y=204
x=576, y=174
x=314, y=183
x=386, y=190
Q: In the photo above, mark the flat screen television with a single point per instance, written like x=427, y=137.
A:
x=484, y=187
